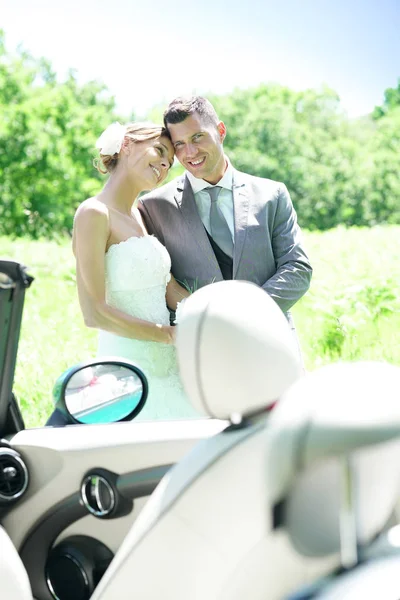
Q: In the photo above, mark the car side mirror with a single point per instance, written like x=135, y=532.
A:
x=101, y=391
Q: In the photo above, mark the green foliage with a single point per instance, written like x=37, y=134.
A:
x=383, y=204
x=47, y=135
x=357, y=307
x=391, y=101
x=338, y=171
x=352, y=310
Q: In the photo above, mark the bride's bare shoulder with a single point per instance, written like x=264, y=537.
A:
x=94, y=206
x=92, y=209
x=92, y=217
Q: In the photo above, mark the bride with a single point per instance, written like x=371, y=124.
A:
x=123, y=274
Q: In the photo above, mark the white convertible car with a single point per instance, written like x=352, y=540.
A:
x=243, y=504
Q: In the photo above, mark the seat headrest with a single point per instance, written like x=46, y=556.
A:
x=345, y=409
x=236, y=351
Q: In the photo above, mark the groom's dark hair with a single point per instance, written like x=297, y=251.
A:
x=181, y=108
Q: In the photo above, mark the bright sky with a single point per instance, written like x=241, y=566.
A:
x=149, y=51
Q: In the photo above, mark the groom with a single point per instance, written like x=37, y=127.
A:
x=218, y=223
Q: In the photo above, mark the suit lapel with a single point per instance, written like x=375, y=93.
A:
x=184, y=198
x=241, y=215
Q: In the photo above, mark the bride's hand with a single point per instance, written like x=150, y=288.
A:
x=170, y=334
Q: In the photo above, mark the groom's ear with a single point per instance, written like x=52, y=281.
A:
x=221, y=130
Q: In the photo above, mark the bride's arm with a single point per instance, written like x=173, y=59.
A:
x=175, y=293
x=91, y=231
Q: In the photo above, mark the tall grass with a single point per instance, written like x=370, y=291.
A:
x=351, y=312
x=53, y=336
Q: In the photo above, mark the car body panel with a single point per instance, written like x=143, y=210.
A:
x=58, y=459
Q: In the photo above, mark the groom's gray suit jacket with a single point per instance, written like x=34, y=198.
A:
x=268, y=248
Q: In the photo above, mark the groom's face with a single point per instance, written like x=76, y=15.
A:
x=198, y=147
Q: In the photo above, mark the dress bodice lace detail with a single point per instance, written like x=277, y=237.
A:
x=137, y=271
x=138, y=262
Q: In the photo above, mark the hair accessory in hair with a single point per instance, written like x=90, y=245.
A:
x=111, y=139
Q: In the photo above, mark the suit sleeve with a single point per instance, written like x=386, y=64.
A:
x=293, y=269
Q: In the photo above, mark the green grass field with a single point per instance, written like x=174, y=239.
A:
x=351, y=312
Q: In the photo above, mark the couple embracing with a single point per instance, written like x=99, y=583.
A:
x=137, y=259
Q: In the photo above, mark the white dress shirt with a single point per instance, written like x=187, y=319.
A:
x=225, y=198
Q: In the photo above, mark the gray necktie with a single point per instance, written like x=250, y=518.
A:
x=220, y=231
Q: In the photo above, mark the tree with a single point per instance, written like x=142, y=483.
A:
x=391, y=101
x=384, y=181
x=305, y=140
x=48, y=132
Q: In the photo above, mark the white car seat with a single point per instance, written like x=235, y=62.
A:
x=334, y=449
x=333, y=457
x=258, y=512
x=14, y=582
x=207, y=532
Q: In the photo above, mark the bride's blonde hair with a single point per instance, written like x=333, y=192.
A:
x=135, y=132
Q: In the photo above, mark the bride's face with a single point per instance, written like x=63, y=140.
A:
x=148, y=162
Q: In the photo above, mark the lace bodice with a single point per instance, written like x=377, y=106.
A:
x=137, y=273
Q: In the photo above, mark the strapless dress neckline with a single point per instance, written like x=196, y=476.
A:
x=129, y=239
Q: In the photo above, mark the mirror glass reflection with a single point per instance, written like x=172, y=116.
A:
x=104, y=393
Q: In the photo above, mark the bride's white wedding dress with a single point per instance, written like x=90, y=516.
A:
x=137, y=272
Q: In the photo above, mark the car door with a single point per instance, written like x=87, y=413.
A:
x=130, y=457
